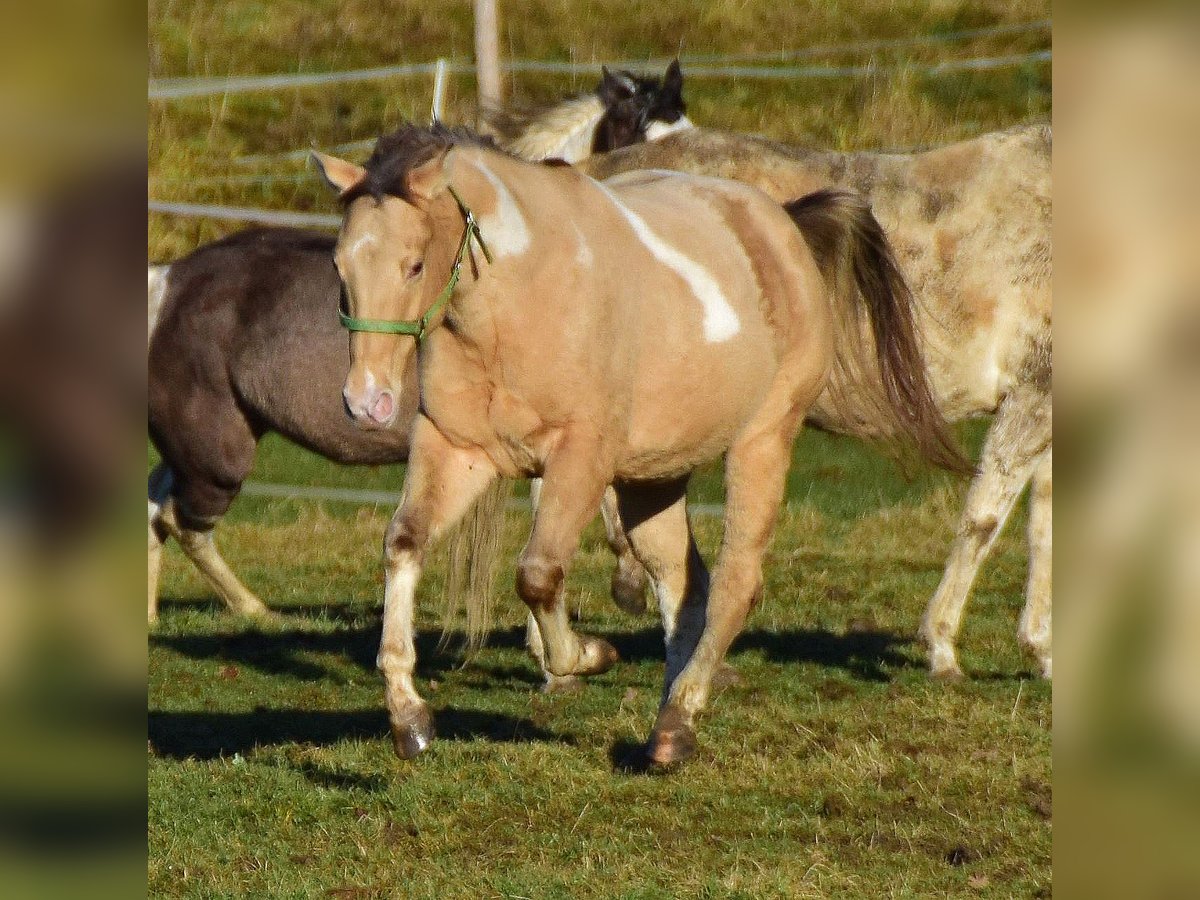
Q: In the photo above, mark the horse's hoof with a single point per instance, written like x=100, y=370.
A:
x=947, y=675
x=598, y=656
x=673, y=739
x=562, y=684
x=629, y=594
x=258, y=612
x=726, y=676
x=413, y=734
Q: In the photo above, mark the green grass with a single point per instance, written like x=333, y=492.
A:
x=834, y=769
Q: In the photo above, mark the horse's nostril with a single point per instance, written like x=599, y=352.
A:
x=384, y=407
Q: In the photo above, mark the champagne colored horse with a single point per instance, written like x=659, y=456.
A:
x=244, y=340
x=595, y=333
x=971, y=226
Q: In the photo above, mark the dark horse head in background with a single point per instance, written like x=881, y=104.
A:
x=639, y=108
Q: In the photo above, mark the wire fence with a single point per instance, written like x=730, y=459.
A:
x=180, y=88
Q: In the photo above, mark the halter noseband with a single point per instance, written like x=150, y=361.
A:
x=418, y=328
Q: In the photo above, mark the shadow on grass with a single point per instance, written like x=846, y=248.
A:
x=209, y=735
x=869, y=655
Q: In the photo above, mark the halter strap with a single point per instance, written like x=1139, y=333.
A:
x=418, y=328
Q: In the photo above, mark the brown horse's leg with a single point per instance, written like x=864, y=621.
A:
x=198, y=545
x=572, y=485
x=755, y=474
x=661, y=535
x=1019, y=434
x=442, y=483
x=158, y=490
x=1034, y=630
x=628, y=578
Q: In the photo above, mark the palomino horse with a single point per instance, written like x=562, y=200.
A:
x=622, y=332
x=244, y=340
x=971, y=226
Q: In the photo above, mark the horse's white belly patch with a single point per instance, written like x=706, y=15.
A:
x=720, y=321
x=504, y=228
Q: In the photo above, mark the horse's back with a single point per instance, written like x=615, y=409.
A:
x=248, y=330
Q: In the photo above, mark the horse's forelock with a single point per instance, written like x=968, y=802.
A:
x=407, y=148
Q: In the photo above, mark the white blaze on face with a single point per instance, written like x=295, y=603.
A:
x=656, y=129
x=504, y=228
x=720, y=321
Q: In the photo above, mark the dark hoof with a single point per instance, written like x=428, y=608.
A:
x=629, y=594
x=726, y=676
x=598, y=656
x=673, y=739
x=413, y=734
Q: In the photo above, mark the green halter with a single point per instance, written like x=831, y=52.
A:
x=418, y=328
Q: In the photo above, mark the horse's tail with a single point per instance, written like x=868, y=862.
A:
x=879, y=384
x=474, y=555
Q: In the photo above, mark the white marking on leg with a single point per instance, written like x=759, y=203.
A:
x=720, y=321
x=397, y=654
x=504, y=228
x=657, y=130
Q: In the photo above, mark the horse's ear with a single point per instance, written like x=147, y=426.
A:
x=614, y=88
x=609, y=89
x=426, y=181
x=673, y=80
x=339, y=174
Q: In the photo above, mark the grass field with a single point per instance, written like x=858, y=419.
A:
x=835, y=768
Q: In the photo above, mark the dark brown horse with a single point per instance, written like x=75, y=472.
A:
x=246, y=342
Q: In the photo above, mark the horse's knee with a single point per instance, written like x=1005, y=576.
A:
x=402, y=539
x=539, y=581
x=200, y=505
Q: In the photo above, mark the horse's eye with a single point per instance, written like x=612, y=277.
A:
x=415, y=269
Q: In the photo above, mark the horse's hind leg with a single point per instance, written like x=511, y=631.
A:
x=755, y=472
x=199, y=547
x=1019, y=435
x=661, y=536
x=158, y=491
x=628, y=578
x=1034, y=630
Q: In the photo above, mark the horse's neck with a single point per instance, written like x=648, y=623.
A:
x=565, y=131
x=511, y=200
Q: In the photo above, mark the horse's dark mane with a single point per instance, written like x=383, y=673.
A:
x=406, y=148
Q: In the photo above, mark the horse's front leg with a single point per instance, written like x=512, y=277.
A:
x=572, y=485
x=442, y=483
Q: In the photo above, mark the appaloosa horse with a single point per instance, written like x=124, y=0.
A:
x=225, y=322
x=970, y=223
x=595, y=333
